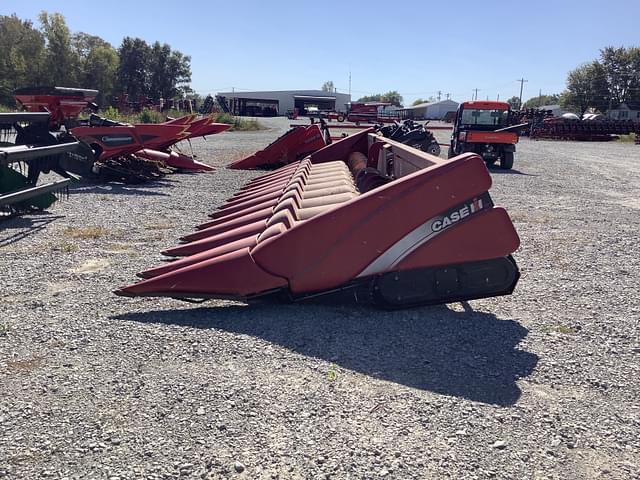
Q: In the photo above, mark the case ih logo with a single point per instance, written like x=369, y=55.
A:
x=460, y=213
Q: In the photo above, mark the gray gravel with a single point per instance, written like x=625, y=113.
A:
x=541, y=384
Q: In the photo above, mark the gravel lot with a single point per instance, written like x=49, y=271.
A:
x=543, y=384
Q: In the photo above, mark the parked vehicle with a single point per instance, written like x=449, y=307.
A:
x=483, y=127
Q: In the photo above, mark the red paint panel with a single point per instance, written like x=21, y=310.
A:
x=259, y=190
x=254, y=216
x=247, y=242
x=484, y=236
x=485, y=105
x=96, y=135
x=232, y=275
x=291, y=146
x=491, y=137
x=246, y=206
x=335, y=246
x=225, y=227
x=341, y=149
x=252, y=199
x=217, y=240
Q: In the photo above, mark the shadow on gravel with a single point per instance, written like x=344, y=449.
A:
x=467, y=354
x=144, y=189
x=513, y=171
x=27, y=225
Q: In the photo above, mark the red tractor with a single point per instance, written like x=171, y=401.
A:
x=483, y=127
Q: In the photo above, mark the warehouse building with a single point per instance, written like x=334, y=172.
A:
x=429, y=110
x=270, y=104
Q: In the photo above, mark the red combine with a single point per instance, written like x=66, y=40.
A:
x=365, y=216
x=483, y=127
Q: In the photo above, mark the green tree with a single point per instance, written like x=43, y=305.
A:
x=392, y=97
x=61, y=62
x=100, y=72
x=371, y=98
x=97, y=65
x=621, y=67
x=22, y=52
x=133, y=70
x=328, y=86
x=586, y=88
x=541, y=100
x=420, y=100
x=514, y=102
x=169, y=72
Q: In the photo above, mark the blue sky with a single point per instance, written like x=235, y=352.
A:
x=415, y=47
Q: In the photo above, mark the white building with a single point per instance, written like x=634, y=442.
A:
x=625, y=111
x=271, y=103
x=430, y=110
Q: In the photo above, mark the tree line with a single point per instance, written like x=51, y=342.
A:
x=600, y=85
x=51, y=55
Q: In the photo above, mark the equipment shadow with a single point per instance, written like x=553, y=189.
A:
x=513, y=171
x=143, y=189
x=34, y=223
x=467, y=354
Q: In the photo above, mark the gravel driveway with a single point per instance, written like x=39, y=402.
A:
x=543, y=384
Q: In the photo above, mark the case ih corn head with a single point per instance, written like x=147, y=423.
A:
x=295, y=144
x=365, y=216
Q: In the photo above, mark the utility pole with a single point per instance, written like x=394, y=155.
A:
x=498, y=99
x=522, y=81
x=448, y=95
x=475, y=95
x=439, y=95
x=349, y=83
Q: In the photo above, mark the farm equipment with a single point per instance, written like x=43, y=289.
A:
x=21, y=193
x=112, y=150
x=413, y=134
x=484, y=127
x=589, y=129
x=366, y=112
x=63, y=104
x=344, y=221
x=295, y=144
x=302, y=140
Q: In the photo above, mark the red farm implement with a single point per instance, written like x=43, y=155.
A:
x=303, y=140
x=293, y=145
x=559, y=128
x=371, y=112
x=343, y=221
x=110, y=140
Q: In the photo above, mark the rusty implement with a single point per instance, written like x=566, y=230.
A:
x=365, y=217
